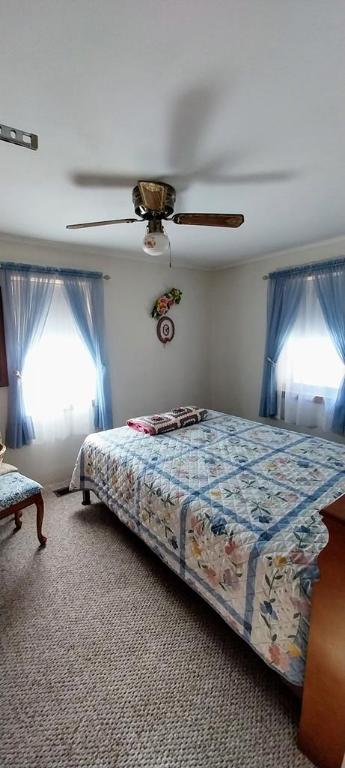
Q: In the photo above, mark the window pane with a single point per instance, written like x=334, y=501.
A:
x=309, y=367
x=59, y=378
x=313, y=360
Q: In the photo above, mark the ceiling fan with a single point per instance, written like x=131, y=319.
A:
x=154, y=202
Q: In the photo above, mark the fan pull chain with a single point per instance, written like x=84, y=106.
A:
x=169, y=255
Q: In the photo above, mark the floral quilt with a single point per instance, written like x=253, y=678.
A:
x=232, y=506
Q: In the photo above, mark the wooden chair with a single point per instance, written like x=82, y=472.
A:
x=18, y=492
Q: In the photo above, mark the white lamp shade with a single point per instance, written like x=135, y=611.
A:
x=155, y=243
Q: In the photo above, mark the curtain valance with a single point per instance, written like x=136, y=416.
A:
x=332, y=265
x=60, y=271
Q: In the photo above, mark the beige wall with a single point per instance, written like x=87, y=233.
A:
x=238, y=326
x=145, y=375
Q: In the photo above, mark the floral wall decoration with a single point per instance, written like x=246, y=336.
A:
x=162, y=305
x=165, y=325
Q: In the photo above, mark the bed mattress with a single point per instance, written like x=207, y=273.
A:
x=232, y=506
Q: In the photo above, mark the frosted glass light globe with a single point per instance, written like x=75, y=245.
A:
x=155, y=243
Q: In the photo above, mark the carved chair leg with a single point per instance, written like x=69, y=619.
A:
x=86, y=498
x=18, y=520
x=39, y=519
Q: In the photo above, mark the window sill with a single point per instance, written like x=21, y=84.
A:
x=317, y=399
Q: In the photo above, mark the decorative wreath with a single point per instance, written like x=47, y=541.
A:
x=162, y=305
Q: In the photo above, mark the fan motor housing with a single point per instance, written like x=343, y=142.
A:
x=146, y=212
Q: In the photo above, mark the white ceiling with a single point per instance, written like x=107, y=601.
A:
x=240, y=102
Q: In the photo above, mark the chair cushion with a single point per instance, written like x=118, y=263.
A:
x=5, y=468
x=15, y=487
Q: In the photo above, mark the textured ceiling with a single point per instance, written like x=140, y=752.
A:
x=239, y=104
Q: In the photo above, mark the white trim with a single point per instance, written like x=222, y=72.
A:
x=284, y=252
x=109, y=253
x=140, y=256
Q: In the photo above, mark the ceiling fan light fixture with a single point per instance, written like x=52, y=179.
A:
x=154, y=203
x=156, y=243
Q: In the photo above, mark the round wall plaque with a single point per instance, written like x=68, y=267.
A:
x=165, y=329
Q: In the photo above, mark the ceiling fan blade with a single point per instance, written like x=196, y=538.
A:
x=209, y=219
x=153, y=194
x=262, y=177
x=101, y=223
x=116, y=181
x=113, y=180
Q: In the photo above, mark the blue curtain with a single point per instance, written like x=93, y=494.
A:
x=284, y=296
x=85, y=296
x=330, y=288
x=27, y=297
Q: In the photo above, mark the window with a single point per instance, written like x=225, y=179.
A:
x=59, y=376
x=309, y=369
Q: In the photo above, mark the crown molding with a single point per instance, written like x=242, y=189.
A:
x=284, y=252
x=139, y=256
x=110, y=254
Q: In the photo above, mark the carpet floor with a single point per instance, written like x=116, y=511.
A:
x=108, y=660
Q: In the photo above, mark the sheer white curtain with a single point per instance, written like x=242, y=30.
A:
x=309, y=369
x=59, y=377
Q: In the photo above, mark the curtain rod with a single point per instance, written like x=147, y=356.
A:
x=309, y=268
x=21, y=267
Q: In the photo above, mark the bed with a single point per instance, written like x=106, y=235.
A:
x=232, y=506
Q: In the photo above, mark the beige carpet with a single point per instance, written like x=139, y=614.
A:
x=107, y=659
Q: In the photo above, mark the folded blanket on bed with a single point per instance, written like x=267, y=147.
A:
x=166, y=422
